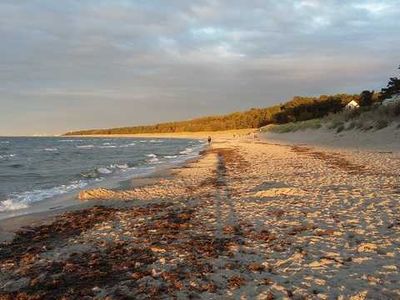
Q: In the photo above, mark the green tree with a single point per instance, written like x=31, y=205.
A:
x=366, y=98
x=392, y=88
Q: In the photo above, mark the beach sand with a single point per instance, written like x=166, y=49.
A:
x=249, y=219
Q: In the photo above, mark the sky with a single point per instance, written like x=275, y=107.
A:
x=80, y=64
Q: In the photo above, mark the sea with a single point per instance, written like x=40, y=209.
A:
x=36, y=169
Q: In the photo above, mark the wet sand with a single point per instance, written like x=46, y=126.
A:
x=248, y=220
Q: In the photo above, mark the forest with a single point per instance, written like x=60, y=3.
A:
x=297, y=109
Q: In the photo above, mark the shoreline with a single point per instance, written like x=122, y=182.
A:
x=45, y=211
x=182, y=135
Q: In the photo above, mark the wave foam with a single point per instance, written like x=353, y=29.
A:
x=119, y=166
x=22, y=200
x=153, y=160
x=85, y=146
x=70, y=141
x=7, y=156
x=104, y=171
x=8, y=205
x=127, y=145
x=107, y=146
x=187, y=151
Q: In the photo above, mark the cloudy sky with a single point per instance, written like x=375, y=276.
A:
x=74, y=64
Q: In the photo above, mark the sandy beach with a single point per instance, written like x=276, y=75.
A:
x=249, y=219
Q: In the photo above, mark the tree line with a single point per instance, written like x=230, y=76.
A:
x=298, y=109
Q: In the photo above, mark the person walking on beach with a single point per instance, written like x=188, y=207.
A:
x=209, y=140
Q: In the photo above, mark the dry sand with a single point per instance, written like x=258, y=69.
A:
x=386, y=139
x=248, y=220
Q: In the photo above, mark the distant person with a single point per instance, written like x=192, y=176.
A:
x=209, y=140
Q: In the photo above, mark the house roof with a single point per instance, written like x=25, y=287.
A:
x=352, y=103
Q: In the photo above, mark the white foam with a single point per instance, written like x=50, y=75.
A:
x=120, y=166
x=127, y=145
x=186, y=151
x=51, y=149
x=104, y=171
x=8, y=205
x=153, y=160
x=85, y=146
x=70, y=141
x=170, y=156
x=22, y=200
x=7, y=156
x=151, y=155
x=107, y=146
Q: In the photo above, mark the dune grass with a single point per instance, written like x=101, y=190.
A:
x=370, y=118
x=294, y=126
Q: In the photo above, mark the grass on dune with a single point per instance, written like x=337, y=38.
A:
x=294, y=126
x=370, y=118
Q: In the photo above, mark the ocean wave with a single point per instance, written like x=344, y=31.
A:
x=153, y=160
x=170, y=156
x=187, y=151
x=107, y=147
x=7, y=156
x=127, y=145
x=151, y=155
x=85, y=146
x=9, y=205
x=104, y=171
x=120, y=166
x=24, y=199
x=4, y=142
x=51, y=149
x=69, y=141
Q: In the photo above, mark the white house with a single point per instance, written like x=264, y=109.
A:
x=351, y=105
x=392, y=100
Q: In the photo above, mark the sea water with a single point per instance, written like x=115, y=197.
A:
x=33, y=169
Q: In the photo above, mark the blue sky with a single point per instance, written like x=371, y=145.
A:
x=70, y=64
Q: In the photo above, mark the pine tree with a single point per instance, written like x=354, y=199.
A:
x=392, y=88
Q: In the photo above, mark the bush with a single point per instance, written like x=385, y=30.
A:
x=335, y=124
x=366, y=98
x=340, y=128
x=351, y=114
